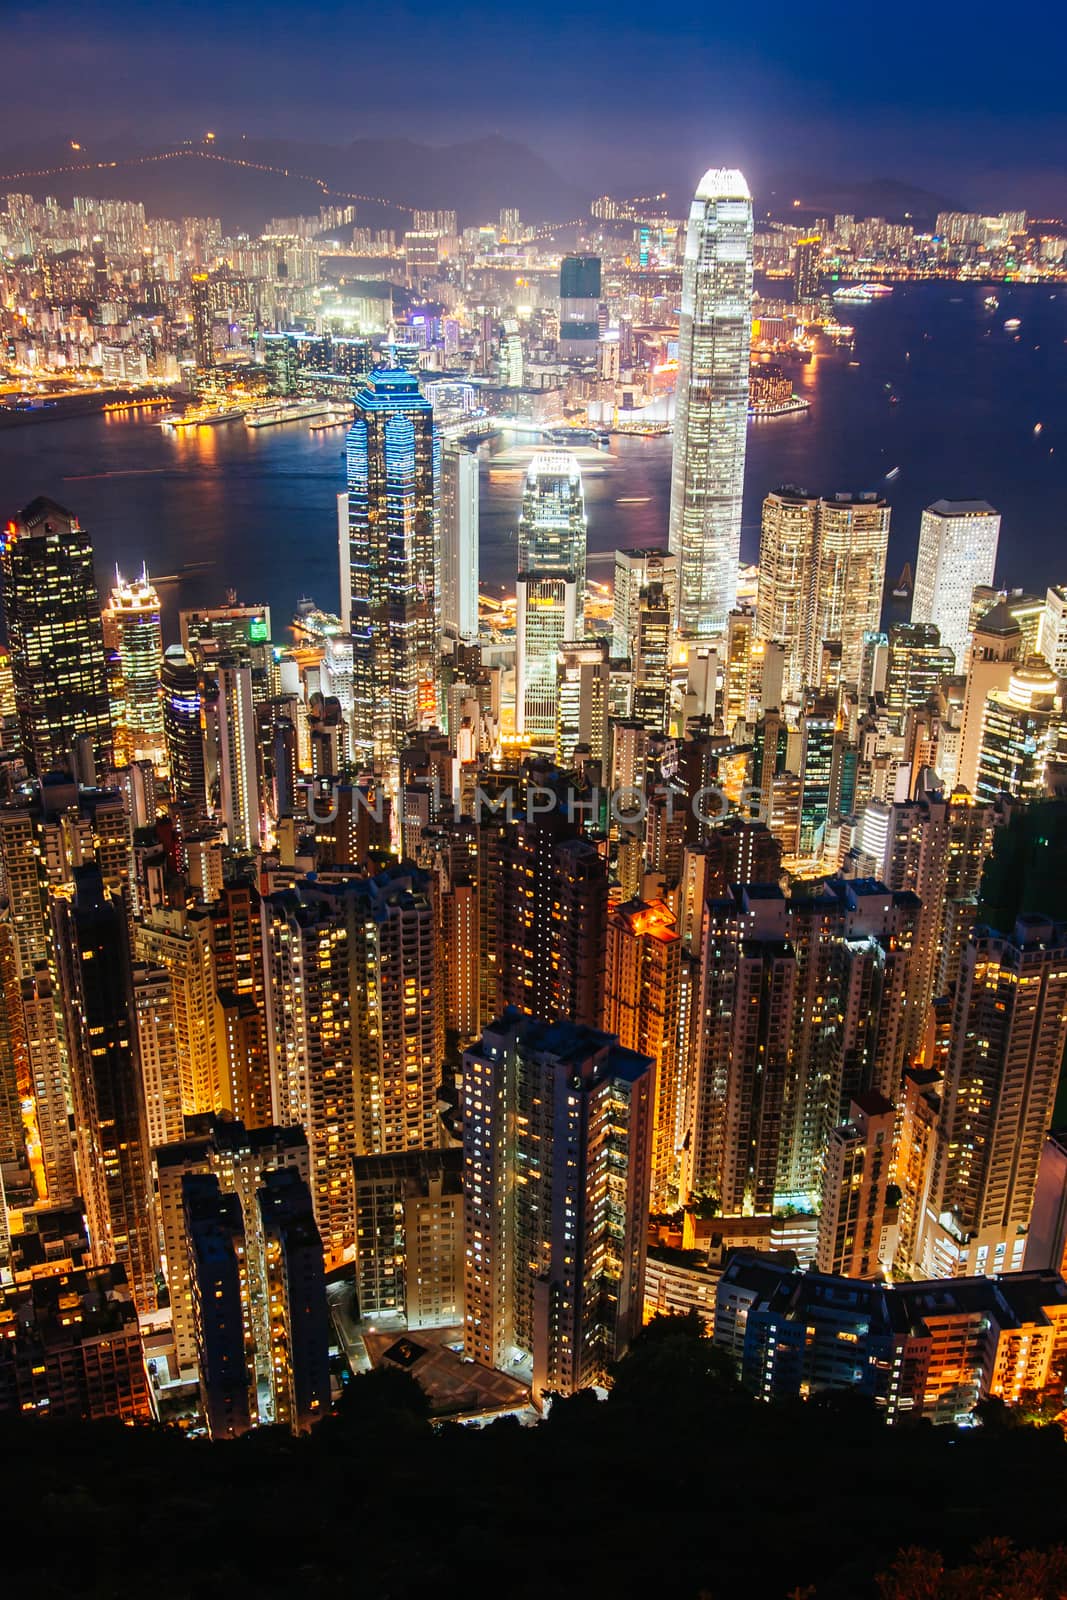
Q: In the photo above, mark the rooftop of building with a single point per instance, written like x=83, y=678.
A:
x=571, y=1043
x=962, y=508
x=723, y=183
x=418, y=1168
x=66, y=1308
x=208, y=1132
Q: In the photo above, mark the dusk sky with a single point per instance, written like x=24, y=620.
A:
x=953, y=97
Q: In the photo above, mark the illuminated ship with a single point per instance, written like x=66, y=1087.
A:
x=289, y=411
x=863, y=293
x=204, y=417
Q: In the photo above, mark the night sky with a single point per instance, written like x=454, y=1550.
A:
x=965, y=99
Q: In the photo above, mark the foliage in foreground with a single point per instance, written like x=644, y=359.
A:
x=678, y=1485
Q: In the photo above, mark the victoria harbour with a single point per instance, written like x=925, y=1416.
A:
x=935, y=397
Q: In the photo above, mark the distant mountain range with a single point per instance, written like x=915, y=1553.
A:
x=476, y=178
x=875, y=197
x=261, y=178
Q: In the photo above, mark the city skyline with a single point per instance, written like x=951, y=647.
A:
x=533, y=904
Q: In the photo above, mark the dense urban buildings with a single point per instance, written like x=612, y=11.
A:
x=450, y=982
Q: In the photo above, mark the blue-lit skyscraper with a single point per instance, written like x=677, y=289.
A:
x=390, y=564
x=711, y=419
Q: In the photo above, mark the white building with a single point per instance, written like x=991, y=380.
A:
x=711, y=417
x=957, y=553
x=459, y=543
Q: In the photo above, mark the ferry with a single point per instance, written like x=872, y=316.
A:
x=892, y=475
x=991, y=302
x=289, y=411
x=1011, y=324
x=573, y=436
x=784, y=408
x=334, y=419
x=203, y=417
x=312, y=623
x=861, y=294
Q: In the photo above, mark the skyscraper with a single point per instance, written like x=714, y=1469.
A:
x=459, y=543
x=133, y=635
x=550, y=589
x=855, y=1182
x=634, y=571
x=203, y=348
x=582, y=684
x=1009, y=1028
x=642, y=997
x=806, y=269
x=355, y=1027
x=557, y=1147
x=54, y=632
x=711, y=418
x=182, y=735
x=1024, y=727
x=114, y=1165
x=295, y=1283
x=821, y=575
x=221, y=1304
x=391, y=564
x=238, y=1158
x=239, y=797
x=579, y=303
x=957, y=553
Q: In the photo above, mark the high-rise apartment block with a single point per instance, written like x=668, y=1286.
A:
x=957, y=553
x=551, y=587
x=821, y=577
x=555, y=1262
x=55, y=636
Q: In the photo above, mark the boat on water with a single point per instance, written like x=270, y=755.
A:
x=905, y=583
x=312, y=623
x=289, y=411
x=203, y=417
x=335, y=419
x=1012, y=323
x=783, y=408
x=862, y=294
x=991, y=302
x=892, y=475
x=574, y=436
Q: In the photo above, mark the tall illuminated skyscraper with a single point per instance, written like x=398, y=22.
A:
x=238, y=771
x=391, y=564
x=1024, y=727
x=806, y=269
x=54, y=633
x=579, y=302
x=459, y=543
x=1008, y=1032
x=557, y=1142
x=551, y=587
x=182, y=734
x=821, y=575
x=132, y=632
x=957, y=554
x=114, y=1165
x=711, y=418
x=355, y=1027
